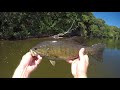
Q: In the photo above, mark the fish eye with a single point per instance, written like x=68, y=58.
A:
x=35, y=48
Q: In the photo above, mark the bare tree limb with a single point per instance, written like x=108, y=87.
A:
x=62, y=34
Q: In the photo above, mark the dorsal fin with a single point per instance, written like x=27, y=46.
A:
x=76, y=39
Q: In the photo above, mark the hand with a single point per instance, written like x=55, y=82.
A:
x=79, y=66
x=28, y=64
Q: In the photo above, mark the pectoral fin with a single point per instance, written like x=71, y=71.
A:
x=52, y=62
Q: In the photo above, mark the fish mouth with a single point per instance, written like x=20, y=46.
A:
x=33, y=52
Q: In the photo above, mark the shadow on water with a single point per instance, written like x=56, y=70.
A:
x=12, y=52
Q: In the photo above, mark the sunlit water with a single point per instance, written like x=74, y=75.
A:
x=11, y=53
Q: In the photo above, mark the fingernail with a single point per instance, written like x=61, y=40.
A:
x=82, y=49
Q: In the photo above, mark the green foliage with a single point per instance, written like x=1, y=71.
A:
x=21, y=25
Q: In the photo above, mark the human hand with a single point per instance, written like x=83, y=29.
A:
x=79, y=66
x=28, y=64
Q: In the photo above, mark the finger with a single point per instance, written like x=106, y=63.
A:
x=39, y=59
x=87, y=59
x=81, y=53
x=70, y=61
x=73, y=67
x=26, y=56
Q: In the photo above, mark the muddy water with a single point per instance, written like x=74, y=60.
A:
x=12, y=51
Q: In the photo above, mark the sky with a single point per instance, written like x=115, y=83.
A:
x=111, y=18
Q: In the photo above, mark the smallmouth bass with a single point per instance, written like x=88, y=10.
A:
x=66, y=49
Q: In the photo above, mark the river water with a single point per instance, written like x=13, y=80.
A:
x=11, y=53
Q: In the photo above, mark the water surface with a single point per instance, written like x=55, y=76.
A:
x=11, y=53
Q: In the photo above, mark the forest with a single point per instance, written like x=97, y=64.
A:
x=23, y=25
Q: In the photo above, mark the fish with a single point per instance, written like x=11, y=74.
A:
x=66, y=49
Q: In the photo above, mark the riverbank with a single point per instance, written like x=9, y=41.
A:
x=22, y=25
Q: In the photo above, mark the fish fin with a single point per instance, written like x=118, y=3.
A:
x=52, y=62
x=76, y=39
x=97, y=51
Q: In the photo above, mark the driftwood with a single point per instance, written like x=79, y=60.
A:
x=69, y=33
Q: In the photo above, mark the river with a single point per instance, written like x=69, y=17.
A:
x=11, y=53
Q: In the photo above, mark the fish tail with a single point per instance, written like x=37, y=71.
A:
x=96, y=51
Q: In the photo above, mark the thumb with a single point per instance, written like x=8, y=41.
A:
x=81, y=53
